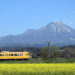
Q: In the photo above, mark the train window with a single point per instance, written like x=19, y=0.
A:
x=11, y=54
x=2, y=54
x=6, y=54
x=21, y=54
x=15, y=54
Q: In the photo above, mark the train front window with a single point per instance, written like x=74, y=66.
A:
x=27, y=54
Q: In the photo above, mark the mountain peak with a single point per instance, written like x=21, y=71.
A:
x=56, y=23
x=58, y=26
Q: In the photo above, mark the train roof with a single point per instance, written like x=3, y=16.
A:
x=11, y=52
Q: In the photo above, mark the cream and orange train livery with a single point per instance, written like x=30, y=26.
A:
x=14, y=55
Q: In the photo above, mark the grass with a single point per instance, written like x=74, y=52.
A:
x=38, y=69
x=40, y=61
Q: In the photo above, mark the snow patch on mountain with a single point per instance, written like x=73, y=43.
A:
x=58, y=30
x=73, y=39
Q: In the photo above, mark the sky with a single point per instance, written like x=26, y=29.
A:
x=17, y=16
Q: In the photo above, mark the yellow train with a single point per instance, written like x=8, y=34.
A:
x=14, y=55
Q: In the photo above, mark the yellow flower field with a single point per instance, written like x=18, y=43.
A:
x=37, y=69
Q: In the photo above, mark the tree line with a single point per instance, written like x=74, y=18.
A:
x=67, y=52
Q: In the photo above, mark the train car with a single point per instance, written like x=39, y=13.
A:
x=14, y=55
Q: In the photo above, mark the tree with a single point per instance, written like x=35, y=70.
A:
x=44, y=52
x=67, y=53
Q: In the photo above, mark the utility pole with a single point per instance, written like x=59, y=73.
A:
x=48, y=49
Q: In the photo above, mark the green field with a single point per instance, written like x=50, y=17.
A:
x=38, y=69
x=39, y=61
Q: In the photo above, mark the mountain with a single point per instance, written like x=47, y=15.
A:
x=56, y=32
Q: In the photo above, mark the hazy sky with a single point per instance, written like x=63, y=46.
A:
x=16, y=16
